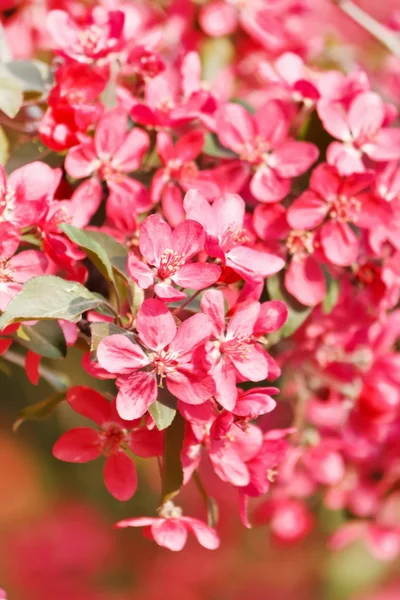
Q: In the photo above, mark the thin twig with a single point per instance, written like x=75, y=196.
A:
x=380, y=32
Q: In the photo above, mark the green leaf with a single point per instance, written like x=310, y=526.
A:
x=332, y=295
x=297, y=313
x=163, y=415
x=40, y=410
x=172, y=475
x=11, y=93
x=102, y=330
x=45, y=338
x=102, y=249
x=212, y=147
x=50, y=297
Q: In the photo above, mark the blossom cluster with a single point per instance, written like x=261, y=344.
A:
x=205, y=229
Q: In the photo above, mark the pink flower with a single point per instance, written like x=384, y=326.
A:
x=170, y=530
x=113, y=435
x=101, y=36
x=223, y=222
x=113, y=153
x=16, y=270
x=362, y=132
x=170, y=252
x=337, y=199
x=263, y=146
x=25, y=196
x=382, y=541
x=174, y=354
x=234, y=350
x=180, y=172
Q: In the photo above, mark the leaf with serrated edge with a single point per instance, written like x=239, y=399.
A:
x=50, y=297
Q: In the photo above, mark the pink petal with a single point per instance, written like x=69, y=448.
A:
x=340, y=243
x=205, y=535
x=155, y=324
x=81, y=161
x=229, y=211
x=267, y=186
x=272, y=122
x=334, y=119
x=253, y=366
x=9, y=240
x=170, y=533
x=294, y=158
x=225, y=383
x=120, y=476
x=188, y=239
x=228, y=465
x=168, y=293
x=218, y=19
x=138, y=522
x=136, y=393
x=191, y=332
x=253, y=264
x=172, y=204
x=130, y=154
x=385, y=146
x=235, y=127
x=154, y=237
x=307, y=212
x=78, y=445
x=28, y=264
x=347, y=534
x=130, y=192
x=273, y=315
x=139, y=272
x=85, y=201
x=117, y=354
x=191, y=384
x=255, y=402
x=189, y=146
x=346, y=159
x=89, y=403
x=212, y=304
x=384, y=542
x=165, y=147
x=197, y=276
x=305, y=280
x=366, y=115
x=326, y=181
x=110, y=133
x=243, y=320
x=199, y=209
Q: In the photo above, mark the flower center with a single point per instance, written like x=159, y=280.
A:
x=232, y=237
x=5, y=272
x=7, y=203
x=170, y=263
x=345, y=209
x=164, y=362
x=111, y=439
x=256, y=151
x=89, y=39
x=109, y=172
x=300, y=242
x=238, y=347
x=169, y=511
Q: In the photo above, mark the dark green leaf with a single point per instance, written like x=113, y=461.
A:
x=45, y=338
x=50, y=297
x=172, y=476
x=297, y=313
x=40, y=410
x=212, y=147
x=103, y=250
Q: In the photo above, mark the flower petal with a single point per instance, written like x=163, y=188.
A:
x=89, y=403
x=78, y=445
x=120, y=476
x=117, y=354
x=155, y=324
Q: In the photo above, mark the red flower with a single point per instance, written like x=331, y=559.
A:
x=170, y=530
x=262, y=144
x=169, y=252
x=175, y=354
x=112, y=438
